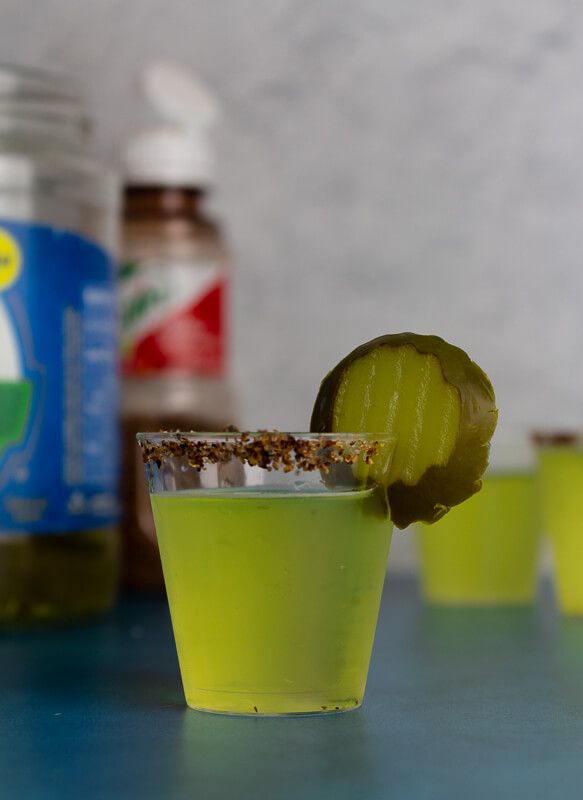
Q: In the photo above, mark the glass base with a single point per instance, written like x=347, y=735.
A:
x=480, y=600
x=269, y=704
x=571, y=606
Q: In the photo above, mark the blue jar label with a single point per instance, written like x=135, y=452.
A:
x=58, y=381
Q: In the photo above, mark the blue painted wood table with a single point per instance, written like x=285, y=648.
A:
x=460, y=704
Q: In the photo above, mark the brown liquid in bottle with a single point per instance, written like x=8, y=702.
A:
x=173, y=284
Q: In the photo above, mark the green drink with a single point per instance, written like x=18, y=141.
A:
x=274, y=595
x=561, y=487
x=484, y=552
x=274, y=557
x=274, y=545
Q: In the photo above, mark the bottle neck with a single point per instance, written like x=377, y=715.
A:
x=163, y=202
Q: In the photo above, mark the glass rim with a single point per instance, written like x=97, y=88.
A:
x=265, y=449
x=563, y=438
x=161, y=436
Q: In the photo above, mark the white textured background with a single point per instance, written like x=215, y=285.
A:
x=384, y=166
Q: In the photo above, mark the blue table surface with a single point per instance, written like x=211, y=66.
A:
x=460, y=704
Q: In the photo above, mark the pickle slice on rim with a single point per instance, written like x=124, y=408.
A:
x=436, y=403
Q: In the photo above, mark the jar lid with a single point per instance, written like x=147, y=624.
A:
x=19, y=81
x=43, y=101
x=178, y=151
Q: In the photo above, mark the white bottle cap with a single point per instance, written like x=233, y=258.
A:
x=178, y=152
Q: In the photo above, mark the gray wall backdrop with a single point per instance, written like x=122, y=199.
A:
x=384, y=165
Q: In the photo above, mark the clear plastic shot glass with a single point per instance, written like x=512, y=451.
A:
x=560, y=476
x=485, y=551
x=274, y=549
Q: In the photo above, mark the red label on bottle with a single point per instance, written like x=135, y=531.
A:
x=173, y=320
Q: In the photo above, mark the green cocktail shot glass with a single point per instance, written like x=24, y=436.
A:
x=274, y=549
x=560, y=460
x=484, y=552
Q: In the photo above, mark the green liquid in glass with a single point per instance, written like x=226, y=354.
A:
x=484, y=551
x=561, y=485
x=274, y=597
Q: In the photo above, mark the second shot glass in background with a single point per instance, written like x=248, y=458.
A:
x=560, y=476
x=485, y=552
